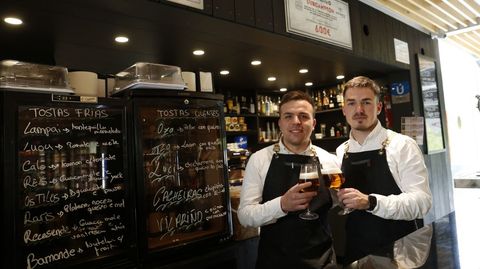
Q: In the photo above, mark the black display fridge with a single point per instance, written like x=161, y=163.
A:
x=178, y=141
x=138, y=181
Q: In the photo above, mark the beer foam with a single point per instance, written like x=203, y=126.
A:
x=332, y=170
x=310, y=175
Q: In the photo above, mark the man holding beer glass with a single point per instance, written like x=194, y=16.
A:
x=272, y=198
x=386, y=179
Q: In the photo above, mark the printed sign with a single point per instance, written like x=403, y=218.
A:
x=324, y=20
x=400, y=92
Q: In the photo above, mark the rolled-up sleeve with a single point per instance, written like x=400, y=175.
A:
x=407, y=165
x=251, y=211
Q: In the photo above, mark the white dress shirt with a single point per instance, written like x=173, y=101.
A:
x=250, y=212
x=406, y=163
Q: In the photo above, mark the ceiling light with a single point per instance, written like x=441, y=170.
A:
x=198, y=52
x=283, y=89
x=340, y=77
x=303, y=71
x=9, y=62
x=121, y=39
x=224, y=72
x=308, y=84
x=13, y=20
x=256, y=62
x=272, y=78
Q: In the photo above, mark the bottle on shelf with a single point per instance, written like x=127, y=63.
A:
x=319, y=102
x=244, y=108
x=340, y=95
x=331, y=100
x=229, y=103
x=326, y=101
x=236, y=106
x=251, y=106
x=269, y=133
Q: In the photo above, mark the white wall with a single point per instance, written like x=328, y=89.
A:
x=461, y=82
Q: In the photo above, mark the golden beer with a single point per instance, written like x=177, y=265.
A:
x=333, y=178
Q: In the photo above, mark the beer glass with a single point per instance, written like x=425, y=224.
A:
x=309, y=173
x=334, y=179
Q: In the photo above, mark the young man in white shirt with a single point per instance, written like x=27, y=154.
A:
x=272, y=199
x=386, y=179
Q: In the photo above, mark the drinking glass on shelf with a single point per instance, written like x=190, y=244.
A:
x=309, y=173
x=334, y=179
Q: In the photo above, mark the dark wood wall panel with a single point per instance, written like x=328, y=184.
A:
x=245, y=12
x=264, y=14
x=224, y=9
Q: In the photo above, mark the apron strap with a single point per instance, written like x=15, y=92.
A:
x=380, y=151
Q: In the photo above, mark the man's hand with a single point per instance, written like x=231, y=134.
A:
x=294, y=200
x=353, y=198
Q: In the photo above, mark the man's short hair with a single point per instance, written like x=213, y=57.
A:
x=296, y=96
x=362, y=82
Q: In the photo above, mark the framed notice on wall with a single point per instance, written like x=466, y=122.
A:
x=324, y=20
x=198, y=4
x=431, y=105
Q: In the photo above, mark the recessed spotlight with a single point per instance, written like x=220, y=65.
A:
x=224, y=72
x=198, y=52
x=13, y=20
x=272, y=78
x=308, y=84
x=121, y=39
x=9, y=62
x=340, y=77
x=283, y=89
x=256, y=62
x=303, y=71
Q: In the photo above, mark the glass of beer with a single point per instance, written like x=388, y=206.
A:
x=334, y=179
x=309, y=173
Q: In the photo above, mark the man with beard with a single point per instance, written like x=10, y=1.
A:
x=386, y=181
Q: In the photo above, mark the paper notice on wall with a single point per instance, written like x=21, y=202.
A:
x=401, y=51
x=190, y=3
x=413, y=127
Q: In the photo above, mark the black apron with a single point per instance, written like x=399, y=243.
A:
x=365, y=233
x=292, y=242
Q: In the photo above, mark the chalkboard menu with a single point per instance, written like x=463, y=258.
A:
x=184, y=171
x=72, y=185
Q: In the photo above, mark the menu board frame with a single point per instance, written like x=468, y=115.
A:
x=141, y=99
x=123, y=257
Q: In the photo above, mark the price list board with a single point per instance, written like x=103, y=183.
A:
x=73, y=186
x=182, y=152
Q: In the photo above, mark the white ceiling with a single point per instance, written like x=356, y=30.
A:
x=455, y=20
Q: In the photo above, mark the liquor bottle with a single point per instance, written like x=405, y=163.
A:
x=236, y=106
x=252, y=106
x=269, y=133
x=259, y=104
x=331, y=100
x=319, y=101
x=264, y=105
x=339, y=96
x=326, y=101
x=229, y=103
x=243, y=105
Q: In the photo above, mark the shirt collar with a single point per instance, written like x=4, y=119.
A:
x=373, y=137
x=284, y=150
